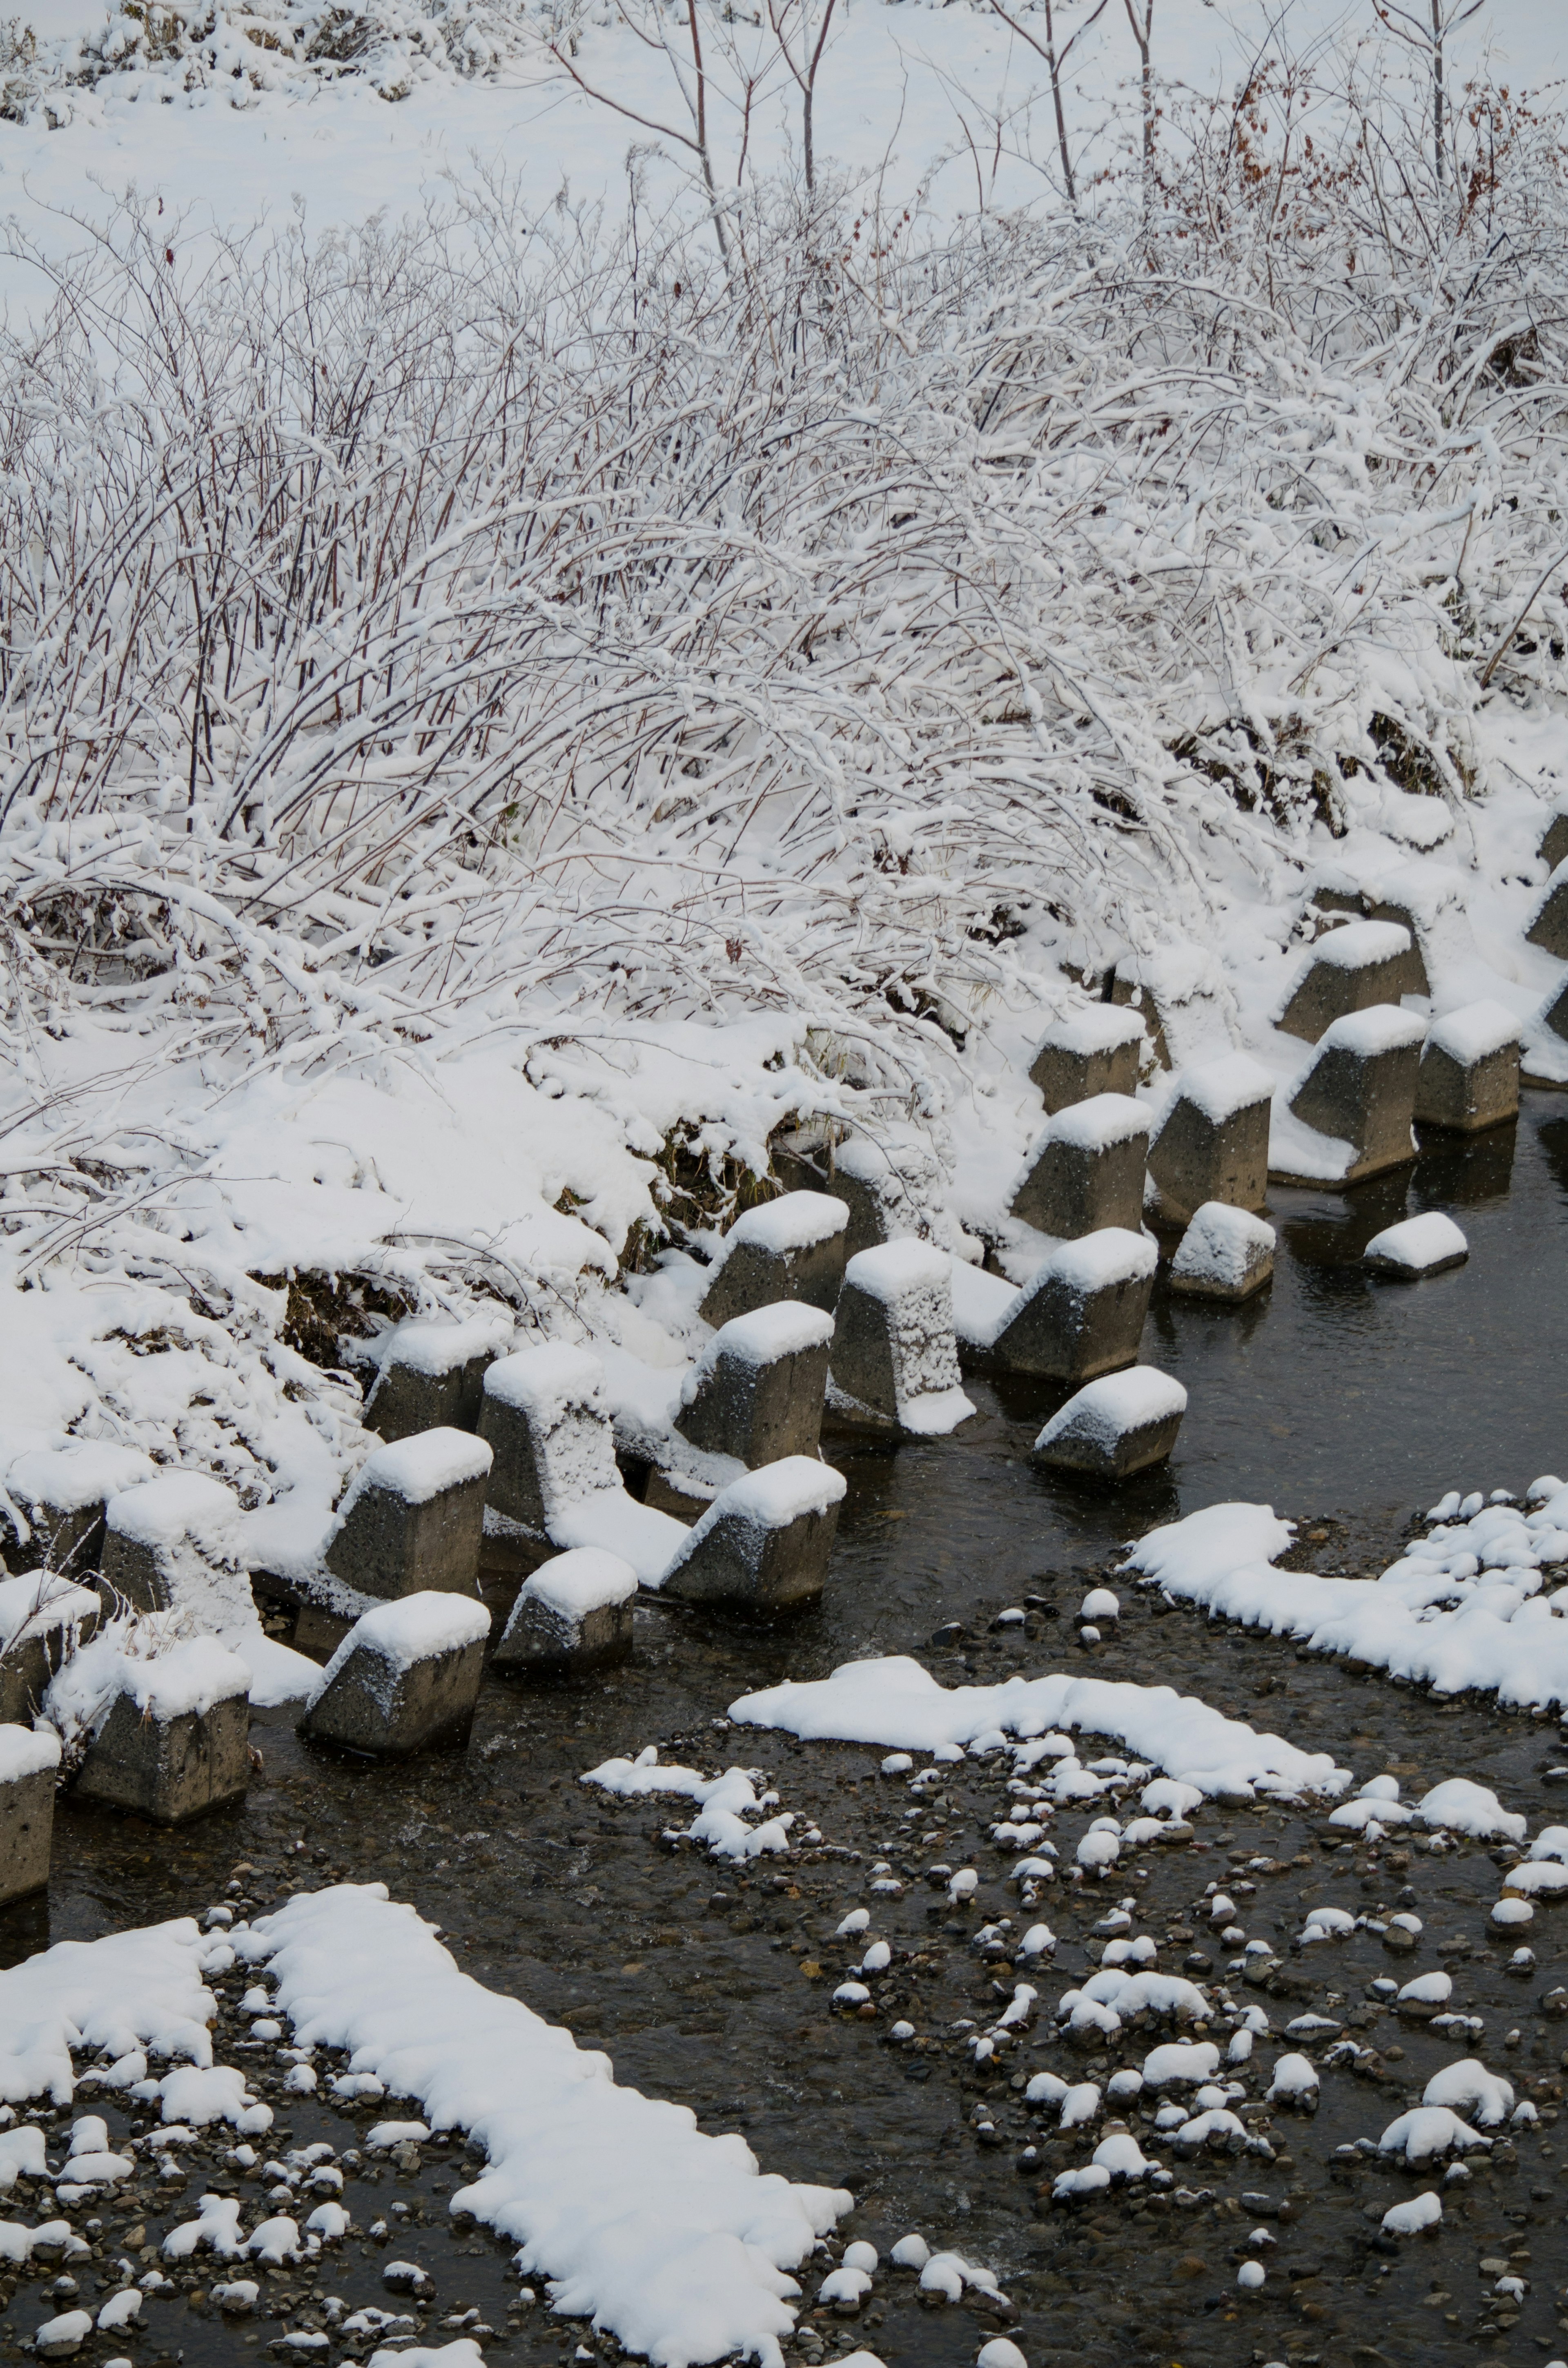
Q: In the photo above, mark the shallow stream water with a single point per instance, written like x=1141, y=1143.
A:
x=1348, y=1403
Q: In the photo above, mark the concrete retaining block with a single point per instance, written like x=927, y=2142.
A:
x=176, y=1740
x=413, y=1518
x=574, y=1613
x=406, y=1676
x=788, y=1249
x=172, y=1545
x=543, y=1417
x=432, y=1376
x=1086, y=1168
x=756, y=1392
x=1350, y=1113
x=1179, y=990
x=63, y=1493
x=1225, y=1253
x=1547, y=924
x=1096, y=1049
x=1429, y=1244
x=1211, y=1143
x=1553, y=847
x=892, y=1192
x=44, y=1618
x=1083, y=1315
x=763, y=1545
x=29, y=1765
x=895, y=1359
x=1468, y=1076
x=1116, y=1426
x=1352, y=969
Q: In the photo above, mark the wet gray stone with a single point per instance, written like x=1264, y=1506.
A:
x=1352, y=969
x=1361, y=1089
x=574, y=1612
x=1470, y=1070
x=1092, y=1051
x=763, y=1545
x=894, y=1356
x=1122, y=1424
x=413, y=1519
x=30, y=1766
x=756, y=1392
x=1086, y=1168
x=1213, y=1142
x=1549, y=922
x=169, y=1769
x=406, y=1677
x=788, y=1249
x=1083, y=1314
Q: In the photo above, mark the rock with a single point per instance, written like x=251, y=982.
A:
x=1468, y=1076
x=405, y=1676
x=29, y=1763
x=1086, y=1169
x=1083, y=1315
x=413, y=1518
x=64, y=1492
x=1225, y=1253
x=1095, y=1049
x=756, y=1392
x=58, y=2338
x=1116, y=1426
x=788, y=1249
x=1417, y=1247
x=1351, y=969
x=554, y=1481
x=1211, y=1143
x=895, y=1359
x=763, y=1542
x=44, y=1618
x=1350, y=1113
x=574, y=1613
x=432, y=1376
x=176, y=1740
x=1547, y=924
x=172, y=1544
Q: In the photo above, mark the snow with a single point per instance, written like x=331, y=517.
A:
x=1470, y=2088
x=1408, y=2219
x=769, y=1498
x=796, y=1221
x=726, y=1802
x=1417, y=1244
x=896, y=1700
x=582, y=1581
x=1178, y=2063
x=1466, y=1807
x=616, y=1524
x=415, y=1628
x=1430, y=2129
x=671, y=2240
x=1385, y=1027
x=88, y=1472
x=1107, y=1409
x=1294, y=2077
x=1096, y=1124
x=1094, y=1028
x=421, y=1347
x=1475, y=1031
x=1360, y=944
x=43, y=1600
x=130, y=1990
x=894, y=1269
x=1222, y=1244
x=422, y=1466
x=538, y=1382
x=165, y=1680
x=164, y=1512
x=768, y=1333
x=26, y=1751
x=1096, y=1260
x=1222, y=1087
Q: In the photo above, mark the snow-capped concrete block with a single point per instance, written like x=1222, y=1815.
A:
x=44, y=1618
x=1225, y=1253
x=1468, y=1076
x=1417, y=1247
x=1096, y=1049
x=62, y=1494
x=1086, y=1170
x=1351, y=969
x=29, y=1764
x=574, y=1612
x=891, y=1191
x=1211, y=1143
x=545, y=1420
x=1083, y=1315
x=1179, y=990
x=756, y=1391
x=172, y=1544
x=406, y=1675
x=894, y=1357
x=1122, y=1424
x=413, y=1518
x=1351, y=1112
x=174, y=1742
x=788, y=1249
x=1547, y=924
x=1553, y=847
x=432, y=1376
x=763, y=1542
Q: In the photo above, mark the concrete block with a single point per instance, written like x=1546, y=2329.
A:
x=1350, y=1114
x=891, y=1191
x=1083, y=1315
x=44, y=1618
x=1352, y=969
x=413, y=1518
x=1553, y=847
x=172, y=1544
x=763, y=1545
x=756, y=1392
x=1117, y=1426
x=62, y=1492
x=544, y=1419
x=406, y=1676
x=1554, y=1012
x=1225, y=1253
x=1095, y=1049
x=1372, y=902
x=1547, y=924
x=1086, y=1170
x=1179, y=990
x=1213, y=1142
x=574, y=1613
x=788, y=1249
x=431, y=1376
x=29, y=1765
x=894, y=1360
x=174, y=1742
x=1468, y=1076
x=1417, y=1247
